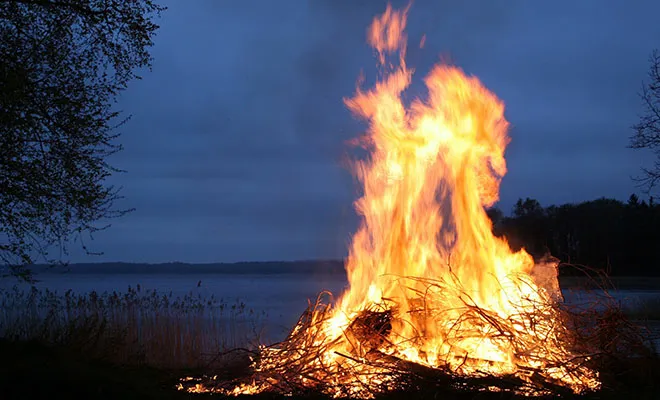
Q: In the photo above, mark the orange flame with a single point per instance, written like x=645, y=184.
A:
x=425, y=242
x=458, y=297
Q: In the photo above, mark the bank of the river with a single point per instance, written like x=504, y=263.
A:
x=33, y=371
x=29, y=370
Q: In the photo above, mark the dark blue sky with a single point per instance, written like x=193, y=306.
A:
x=235, y=148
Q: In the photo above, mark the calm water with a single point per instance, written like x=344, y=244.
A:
x=283, y=297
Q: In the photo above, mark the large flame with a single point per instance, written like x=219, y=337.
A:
x=425, y=242
x=455, y=296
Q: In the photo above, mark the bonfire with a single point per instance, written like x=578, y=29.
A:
x=432, y=293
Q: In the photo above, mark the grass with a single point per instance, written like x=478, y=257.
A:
x=138, y=344
x=134, y=328
x=34, y=370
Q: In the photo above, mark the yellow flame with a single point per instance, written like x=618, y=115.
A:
x=458, y=297
x=433, y=168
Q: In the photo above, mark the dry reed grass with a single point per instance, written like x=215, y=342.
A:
x=136, y=327
x=598, y=336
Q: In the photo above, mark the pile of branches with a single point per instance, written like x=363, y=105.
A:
x=300, y=365
x=625, y=350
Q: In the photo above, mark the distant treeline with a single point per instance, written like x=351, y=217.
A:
x=620, y=238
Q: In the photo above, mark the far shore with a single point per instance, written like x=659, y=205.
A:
x=306, y=267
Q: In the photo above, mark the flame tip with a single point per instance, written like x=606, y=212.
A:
x=430, y=286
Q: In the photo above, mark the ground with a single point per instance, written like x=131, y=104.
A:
x=33, y=371
x=30, y=370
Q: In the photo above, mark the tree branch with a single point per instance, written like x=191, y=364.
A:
x=59, y=4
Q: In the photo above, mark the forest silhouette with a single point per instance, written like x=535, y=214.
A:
x=619, y=238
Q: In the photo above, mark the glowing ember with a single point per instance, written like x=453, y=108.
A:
x=431, y=288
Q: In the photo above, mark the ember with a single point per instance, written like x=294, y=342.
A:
x=433, y=293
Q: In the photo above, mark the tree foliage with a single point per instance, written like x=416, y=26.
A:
x=63, y=64
x=606, y=234
x=527, y=208
x=647, y=130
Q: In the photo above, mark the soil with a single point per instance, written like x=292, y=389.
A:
x=30, y=370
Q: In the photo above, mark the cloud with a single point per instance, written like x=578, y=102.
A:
x=238, y=136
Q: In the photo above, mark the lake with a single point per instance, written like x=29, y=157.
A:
x=282, y=296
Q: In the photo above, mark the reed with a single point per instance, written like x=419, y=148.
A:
x=136, y=327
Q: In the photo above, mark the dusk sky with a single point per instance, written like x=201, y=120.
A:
x=236, y=146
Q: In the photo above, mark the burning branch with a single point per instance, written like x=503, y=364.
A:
x=488, y=320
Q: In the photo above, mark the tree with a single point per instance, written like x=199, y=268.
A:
x=633, y=200
x=647, y=130
x=63, y=64
x=527, y=208
x=496, y=216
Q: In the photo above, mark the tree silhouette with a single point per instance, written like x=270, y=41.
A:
x=647, y=130
x=620, y=238
x=63, y=64
x=496, y=216
x=525, y=227
x=633, y=200
x=527, y=208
